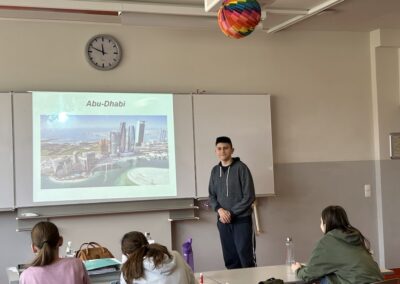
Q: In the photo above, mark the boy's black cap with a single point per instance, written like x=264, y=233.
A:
x=223, y=139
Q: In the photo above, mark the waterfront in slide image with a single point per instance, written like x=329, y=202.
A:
x=103, y=151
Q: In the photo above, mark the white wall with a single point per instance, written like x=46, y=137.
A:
x=322, y=110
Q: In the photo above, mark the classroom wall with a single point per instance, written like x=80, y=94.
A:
x=304, y=189
x=321, y=117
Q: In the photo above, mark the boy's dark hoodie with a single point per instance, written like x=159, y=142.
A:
x=232, y=188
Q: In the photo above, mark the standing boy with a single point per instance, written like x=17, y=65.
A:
x=231, y=194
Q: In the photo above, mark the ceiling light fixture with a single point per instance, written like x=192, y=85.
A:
x=313, y=11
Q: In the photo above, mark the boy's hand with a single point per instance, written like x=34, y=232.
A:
x=224, y=216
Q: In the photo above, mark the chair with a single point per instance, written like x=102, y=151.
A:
x=389, y=281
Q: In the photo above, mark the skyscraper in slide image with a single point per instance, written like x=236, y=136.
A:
x=114, y=143
x=140, y=132
x=122, y=131
x=163, y=135
x=131, y=138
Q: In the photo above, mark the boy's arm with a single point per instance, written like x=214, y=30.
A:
x=212, y=196
x=248, y=192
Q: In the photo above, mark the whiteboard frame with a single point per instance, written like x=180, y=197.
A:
x=7, y=198
x=22, y=109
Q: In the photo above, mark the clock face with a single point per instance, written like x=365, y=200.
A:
x=103, y=52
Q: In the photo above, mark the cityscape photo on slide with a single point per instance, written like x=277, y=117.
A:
x=103, y=150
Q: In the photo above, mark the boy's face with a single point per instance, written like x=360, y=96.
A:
x=224, y=152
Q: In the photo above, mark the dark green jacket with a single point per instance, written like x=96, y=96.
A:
x=342, y=258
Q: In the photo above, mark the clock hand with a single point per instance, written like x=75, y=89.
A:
x=102, y=49
x=97, y=49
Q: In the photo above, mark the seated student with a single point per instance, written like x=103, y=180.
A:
x=152, y=263
x=48, y=267
x=342, y=255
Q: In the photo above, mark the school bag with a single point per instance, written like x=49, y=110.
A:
x=272, y=281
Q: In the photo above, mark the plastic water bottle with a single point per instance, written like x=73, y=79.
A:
x=148, y=237
x=68, y=250
x=188, y=253
x=289, y=251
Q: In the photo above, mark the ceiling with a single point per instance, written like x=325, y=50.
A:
x=356, y=15
x=318, y=15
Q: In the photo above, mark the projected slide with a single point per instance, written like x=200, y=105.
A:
x=93, y=146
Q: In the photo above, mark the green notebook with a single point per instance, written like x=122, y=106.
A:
x=101, y=263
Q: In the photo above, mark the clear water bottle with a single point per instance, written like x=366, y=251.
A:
x=148, y=237
x=69, y=252
x=289, y=251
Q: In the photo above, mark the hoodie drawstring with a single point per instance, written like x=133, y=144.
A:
x=227, y=187
x=226, y=181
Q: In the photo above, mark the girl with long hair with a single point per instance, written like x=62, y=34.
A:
x=152, y=263
x=47, y=267
x=342, y=255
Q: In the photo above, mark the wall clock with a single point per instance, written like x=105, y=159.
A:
x=103, y=52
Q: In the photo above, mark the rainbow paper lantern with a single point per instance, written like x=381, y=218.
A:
x=238, y=18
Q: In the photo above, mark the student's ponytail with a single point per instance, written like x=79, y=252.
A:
x=133, y=267
x=45, y=239
x=158, y=253
x=135, y=246
x=45, y=256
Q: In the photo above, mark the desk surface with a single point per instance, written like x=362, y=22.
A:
x=255, y=275
x=234, y=276
x=250, y=275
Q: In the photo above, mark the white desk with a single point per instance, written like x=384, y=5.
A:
x=233, y=276
x=250, y=275
x=255, y=275
x=12, y=274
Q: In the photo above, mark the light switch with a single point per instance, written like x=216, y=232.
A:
x=367, y=190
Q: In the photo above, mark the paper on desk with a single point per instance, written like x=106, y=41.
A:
x=102, y=270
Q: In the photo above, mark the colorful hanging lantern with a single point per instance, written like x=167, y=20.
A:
x=238, y=18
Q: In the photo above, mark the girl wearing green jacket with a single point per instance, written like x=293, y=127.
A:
x=342, y=255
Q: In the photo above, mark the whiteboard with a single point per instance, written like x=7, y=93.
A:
x=6, y=153
x=246, y=119
x=198, y=120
